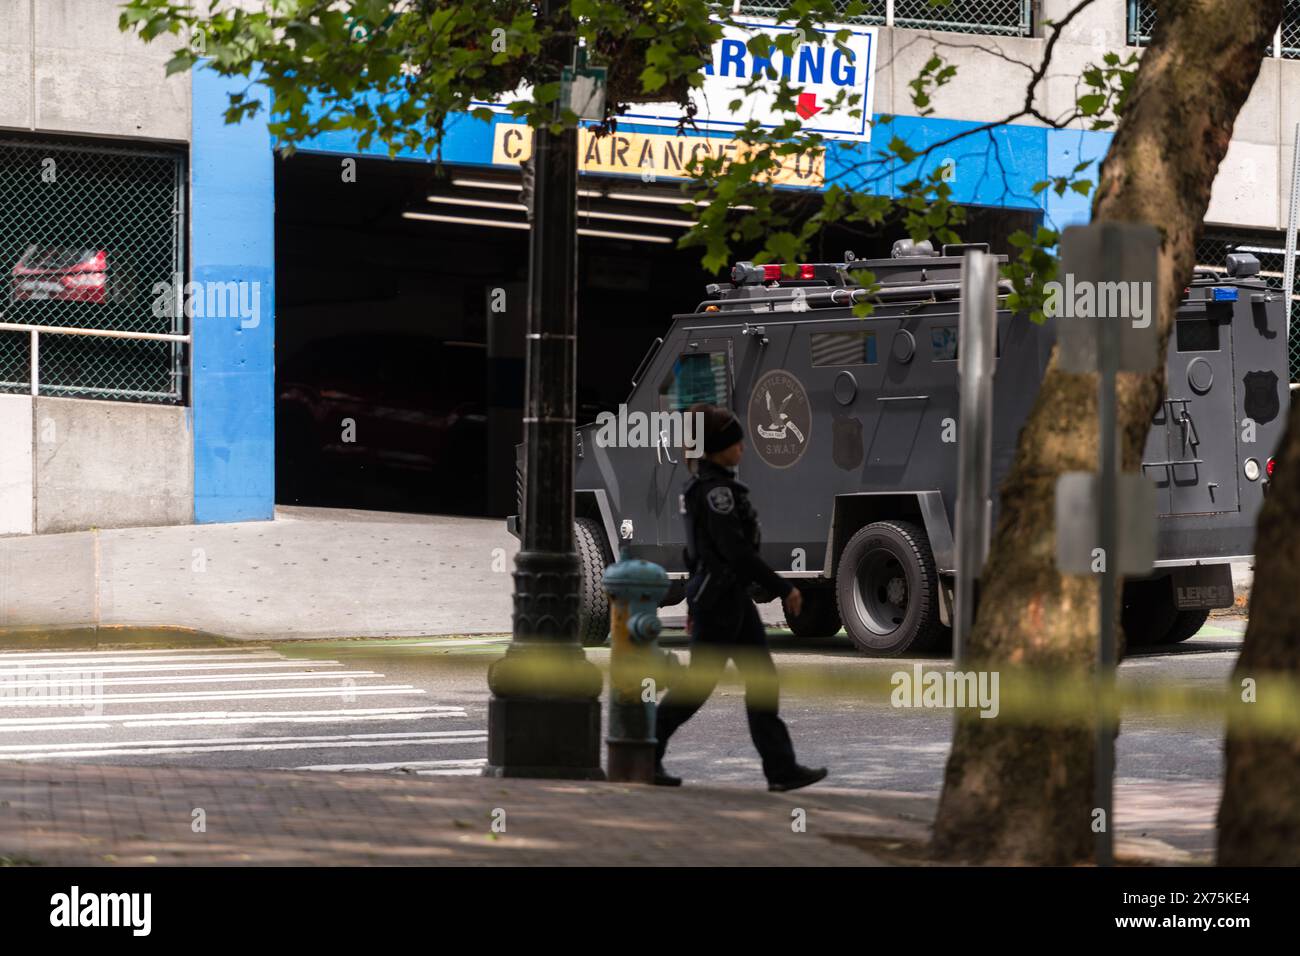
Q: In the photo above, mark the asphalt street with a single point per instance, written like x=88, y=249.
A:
x=420, y=706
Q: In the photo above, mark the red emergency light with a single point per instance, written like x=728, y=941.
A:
x=772, y=272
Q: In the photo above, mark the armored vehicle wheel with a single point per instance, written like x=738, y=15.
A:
x=1186, y=625
x=820, y=616
x=593, y=559
x=1148, y=612
x=888, y=590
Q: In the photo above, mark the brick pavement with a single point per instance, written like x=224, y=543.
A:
x=80, y=814
x=88, y=815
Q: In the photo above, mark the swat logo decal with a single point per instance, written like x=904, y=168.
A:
x=721, y=500
x=780, y=419
x=1262, y=403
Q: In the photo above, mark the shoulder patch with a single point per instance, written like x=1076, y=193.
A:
x=721, y=500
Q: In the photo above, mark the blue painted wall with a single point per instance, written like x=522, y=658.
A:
x=232, y=239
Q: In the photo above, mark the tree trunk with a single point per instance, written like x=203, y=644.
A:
x=1023, y=792
x=1259, y=818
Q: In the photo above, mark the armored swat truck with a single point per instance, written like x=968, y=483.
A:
x=851, y=442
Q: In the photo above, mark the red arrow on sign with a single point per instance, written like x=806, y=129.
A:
x=807, y=107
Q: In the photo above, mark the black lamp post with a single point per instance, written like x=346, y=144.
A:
x=544, y=716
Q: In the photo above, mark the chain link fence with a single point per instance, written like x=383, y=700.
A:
x=1291, y=30
x=87, y=232
x=997, y=17
x=1270, y=249
x=1142, y=22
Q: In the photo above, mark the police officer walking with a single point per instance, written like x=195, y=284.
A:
x=722, y=539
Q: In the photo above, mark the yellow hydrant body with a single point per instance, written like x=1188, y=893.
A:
x=635, y=588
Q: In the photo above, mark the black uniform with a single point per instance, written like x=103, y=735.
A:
x=722, y=538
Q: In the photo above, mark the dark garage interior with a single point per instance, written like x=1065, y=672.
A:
x=400, y=310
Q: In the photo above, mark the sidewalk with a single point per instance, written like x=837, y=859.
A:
x=312, y=572
x=65, y=814
x=78, y=814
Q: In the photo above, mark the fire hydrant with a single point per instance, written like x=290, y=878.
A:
x=635, y=588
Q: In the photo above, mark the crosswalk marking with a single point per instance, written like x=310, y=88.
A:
x=277, y=693
x=114, y=669
x=354, y=713
x=188, y=679
x=114, y=706
x=142, y=657
x=404, y=735
x=248, y=746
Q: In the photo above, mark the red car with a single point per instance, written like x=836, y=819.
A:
x=69, y=274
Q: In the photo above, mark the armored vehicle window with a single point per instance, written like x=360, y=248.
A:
x=696, y=377
x=1197, y=335
x=943, y=340
x=843, y=348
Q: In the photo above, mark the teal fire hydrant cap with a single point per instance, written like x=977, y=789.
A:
x=632, y=575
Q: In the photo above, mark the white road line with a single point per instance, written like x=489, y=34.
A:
x=446, y=766
x=145, y=650
x=98, y=724
x=231, y=722
x=398, y=737
x=437, y=710
x=269, y=694
x=73, y=657
x=241, y=748
x=91, y=678
x=183, y=668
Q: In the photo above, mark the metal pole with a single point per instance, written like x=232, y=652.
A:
x=1292, y=221
x=977, y=338
x=36, y=363
x=537, y=731
x=1108, y=486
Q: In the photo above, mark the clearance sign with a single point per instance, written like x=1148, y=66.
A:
x=651, y=155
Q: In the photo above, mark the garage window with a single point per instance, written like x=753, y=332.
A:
x=92, y=242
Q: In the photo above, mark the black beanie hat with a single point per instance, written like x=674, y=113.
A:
x=721, y=431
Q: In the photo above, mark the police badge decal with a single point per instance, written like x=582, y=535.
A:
x=780, y=418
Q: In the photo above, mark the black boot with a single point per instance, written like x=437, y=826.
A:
x=664, y=779
x=802, y=777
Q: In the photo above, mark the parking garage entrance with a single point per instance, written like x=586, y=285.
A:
x=401, y=304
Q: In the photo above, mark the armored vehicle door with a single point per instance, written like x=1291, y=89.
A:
x=705, y=368
x=1197, y=421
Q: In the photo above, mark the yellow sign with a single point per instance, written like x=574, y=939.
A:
x=652, y=155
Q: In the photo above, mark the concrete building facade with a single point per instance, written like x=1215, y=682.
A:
x=68, y=76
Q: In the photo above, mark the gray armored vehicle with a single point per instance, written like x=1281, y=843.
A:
x=851, y=442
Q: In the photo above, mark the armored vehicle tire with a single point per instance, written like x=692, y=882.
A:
x=1186, y=625
x=1148, y=612
x=887, y=589
x=820, y=616
x=593, y=559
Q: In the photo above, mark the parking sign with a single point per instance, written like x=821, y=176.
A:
x=819, y=68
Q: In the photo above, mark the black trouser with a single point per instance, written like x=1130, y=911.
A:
x=732, y=631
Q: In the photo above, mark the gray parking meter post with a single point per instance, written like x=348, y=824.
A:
x=977, y=334
x=1105, y=522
